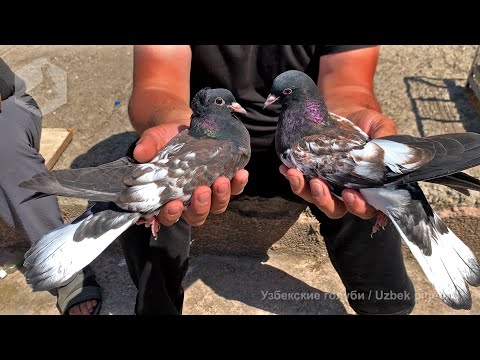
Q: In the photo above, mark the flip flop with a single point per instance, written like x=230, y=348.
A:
x=83, y=287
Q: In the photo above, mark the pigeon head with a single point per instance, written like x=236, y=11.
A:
x=218, y=101
x=214, y=116
x=292, y=85
x=300, y=98
x=303, y=110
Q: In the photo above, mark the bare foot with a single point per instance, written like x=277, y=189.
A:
x=84, y=308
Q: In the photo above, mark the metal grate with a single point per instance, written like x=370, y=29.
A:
x=473, y=80
x=441, y=105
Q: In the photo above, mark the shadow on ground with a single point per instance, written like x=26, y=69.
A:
x=438, y=101
x=110, y=149
x=261, y=286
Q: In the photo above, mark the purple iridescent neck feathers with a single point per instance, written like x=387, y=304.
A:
x=214, y=117
x=303, y=110
x=316, y=111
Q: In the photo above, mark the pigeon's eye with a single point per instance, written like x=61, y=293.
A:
x=287, y=91
x=219, y=101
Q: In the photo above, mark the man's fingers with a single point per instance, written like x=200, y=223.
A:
x=382, y=126
x=239, y=182
x=297, y=183
x=146, y=148
x=220, y=195
x=204, y=200
x=202, y=203
x=84, y=308
x=170, y=213
x=357, y=205
x=199, y=207
x=283, y=170
x=317, y=192
x=373, y=123
x=323, y=198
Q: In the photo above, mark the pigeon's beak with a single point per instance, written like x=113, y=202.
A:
x=270, y=100
x=238, y=108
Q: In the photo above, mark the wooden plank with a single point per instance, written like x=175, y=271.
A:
x=53, y=143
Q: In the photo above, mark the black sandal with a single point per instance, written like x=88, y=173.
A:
x=83, y=287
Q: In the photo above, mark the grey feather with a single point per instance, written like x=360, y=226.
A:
x=460, y=182
x=101, y=183
x=452, y=153
x=102, y=222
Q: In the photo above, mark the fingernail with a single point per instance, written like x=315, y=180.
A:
x=174, y=211
x=204, y=198
x=316, y=189
x=294, y=182
x=348, y=198
x=222, y=189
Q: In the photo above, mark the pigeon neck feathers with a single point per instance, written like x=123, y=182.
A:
x=302, y=116
x=216, y=122
x=304, y=111
x=308, y=109
x=304, y=103
x=218, y=127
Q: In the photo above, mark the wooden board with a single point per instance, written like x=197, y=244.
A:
x=53, y=143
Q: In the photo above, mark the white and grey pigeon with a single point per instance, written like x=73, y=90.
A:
x=128, y=193
x=385, y=171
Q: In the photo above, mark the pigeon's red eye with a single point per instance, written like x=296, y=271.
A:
x=287, y=91
x=219, y=101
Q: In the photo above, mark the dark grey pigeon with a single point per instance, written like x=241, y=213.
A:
x=385, y=171
x=129, y=193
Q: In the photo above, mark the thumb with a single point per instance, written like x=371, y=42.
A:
x=146, y=148
x=382, y=126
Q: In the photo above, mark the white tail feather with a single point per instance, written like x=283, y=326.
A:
x=449, y=267
x=56, y=257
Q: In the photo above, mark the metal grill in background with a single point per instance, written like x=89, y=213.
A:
x=473, y=80
x=441, y=105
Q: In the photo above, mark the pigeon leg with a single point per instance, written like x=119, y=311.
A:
x=155, y=226
x=382, y=220
x=141, y=221
x=153, y=223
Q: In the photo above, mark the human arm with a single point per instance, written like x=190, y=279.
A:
x=345, y=81
x=159, y=109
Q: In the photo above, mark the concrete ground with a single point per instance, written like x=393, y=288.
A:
x=420, y=87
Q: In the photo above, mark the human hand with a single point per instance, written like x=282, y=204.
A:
x=317, y=192
x=204, y=200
